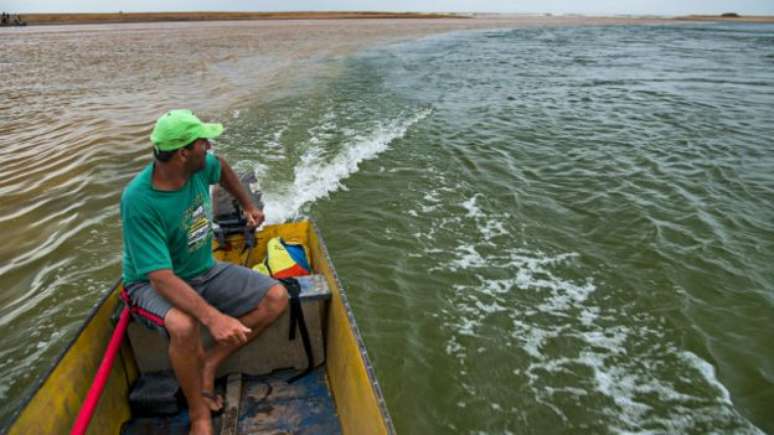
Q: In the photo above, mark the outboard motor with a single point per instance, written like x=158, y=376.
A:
x=228, y=213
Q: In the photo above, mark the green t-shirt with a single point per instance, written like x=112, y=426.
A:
x=168, y=229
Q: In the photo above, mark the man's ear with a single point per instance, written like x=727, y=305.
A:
x=184, y=153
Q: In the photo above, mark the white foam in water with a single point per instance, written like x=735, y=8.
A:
x=492, y=228
x=628, y=379
x=612, y=339
x=532, y=272
x=316, y=178
x=627, y=383
x=433, y=198
x=707, y=371
x=467, y=326
x=532, y=338
x=490, y=308
x=467, y=258
x=455, y=349
x=276, y=151
x=589, y=315
x=470, y=206
x=623, y=367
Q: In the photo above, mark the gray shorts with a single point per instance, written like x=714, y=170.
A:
x=231, y=289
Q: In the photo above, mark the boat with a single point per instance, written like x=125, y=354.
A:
x=12, y=20
x=337, y=391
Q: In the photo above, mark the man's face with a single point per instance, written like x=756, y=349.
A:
x=195, y=157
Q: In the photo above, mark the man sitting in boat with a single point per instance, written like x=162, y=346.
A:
x=172, y=281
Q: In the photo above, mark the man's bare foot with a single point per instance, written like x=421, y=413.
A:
x=214, y=401
x=201, y=427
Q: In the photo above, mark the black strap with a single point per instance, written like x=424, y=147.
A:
x=220, y=236
x=297, y=321
x=249, y=236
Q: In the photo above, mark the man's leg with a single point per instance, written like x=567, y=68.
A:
x=186, y=355
x=268, y=310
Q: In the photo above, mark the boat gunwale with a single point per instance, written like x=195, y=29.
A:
x=356, y=332
x=43, y=377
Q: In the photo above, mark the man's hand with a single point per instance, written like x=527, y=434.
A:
x=222, y=327
x=231, y=183
x=228, y=329
x=254, y=217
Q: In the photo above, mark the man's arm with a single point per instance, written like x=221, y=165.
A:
x=184, y=298
x=230, y=182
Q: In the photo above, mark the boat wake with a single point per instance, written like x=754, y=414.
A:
x=318, y=175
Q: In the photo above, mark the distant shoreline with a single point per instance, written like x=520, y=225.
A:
x=36, y=19
x=739, y=19
x=150, y=17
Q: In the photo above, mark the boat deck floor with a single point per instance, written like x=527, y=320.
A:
x=267, y=404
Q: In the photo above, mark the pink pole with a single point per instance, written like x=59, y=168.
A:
x=100, y=379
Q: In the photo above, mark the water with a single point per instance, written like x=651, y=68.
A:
x=542, y=230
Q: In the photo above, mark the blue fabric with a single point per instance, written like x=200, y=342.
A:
x=298, y=255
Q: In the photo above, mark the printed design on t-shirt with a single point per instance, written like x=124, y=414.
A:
x=197, y=224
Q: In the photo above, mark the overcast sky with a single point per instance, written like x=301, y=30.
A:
x=590, y=7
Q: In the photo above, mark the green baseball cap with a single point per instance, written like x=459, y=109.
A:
x=177, y=128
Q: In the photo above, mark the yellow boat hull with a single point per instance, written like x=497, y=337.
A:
x=54, y=404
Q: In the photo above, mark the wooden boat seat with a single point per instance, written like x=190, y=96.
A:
x=272, y=350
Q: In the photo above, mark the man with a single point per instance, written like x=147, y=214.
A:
x=169, y=273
